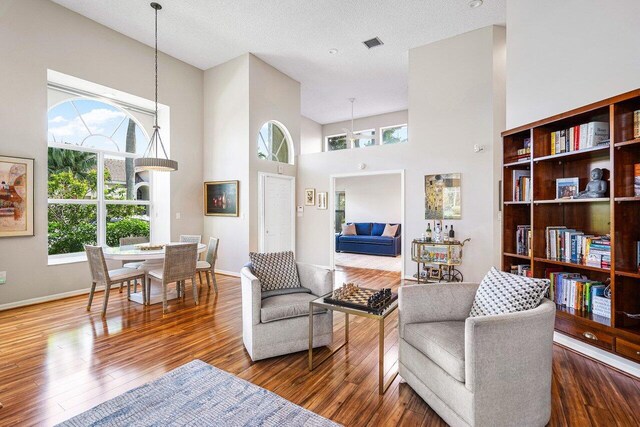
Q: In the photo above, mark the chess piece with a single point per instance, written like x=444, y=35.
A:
x=596, y=188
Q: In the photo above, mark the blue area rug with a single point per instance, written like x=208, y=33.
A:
x=198, y=394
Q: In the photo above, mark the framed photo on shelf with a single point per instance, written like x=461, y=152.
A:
x=310, y=197
x=221, y=198
x=567, y=188
x=322, y=200
x=16, y=197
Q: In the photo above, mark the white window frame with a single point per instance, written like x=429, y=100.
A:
x=326, y=142
x=100, y=201
x=287, y=139
x=382, y=129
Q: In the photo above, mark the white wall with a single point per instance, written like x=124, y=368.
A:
x=226, y=154
x=39, y=35
x=240, y=96
x=272, y=96
x=565, y=54
x=373, y=198
x=310, y=136
x=450, y=110
x=366, y=123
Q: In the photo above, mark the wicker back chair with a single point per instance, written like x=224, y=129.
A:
x=208, y=265
x=128, y=241
x=179, y=266
x=100, y=274
x=190, y=238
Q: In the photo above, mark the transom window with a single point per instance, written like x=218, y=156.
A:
x=274, y=143
x=365, y=142
x=94, y=194
x=394, y=134
x=337, y=142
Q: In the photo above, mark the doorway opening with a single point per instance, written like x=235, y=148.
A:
x=367, y=221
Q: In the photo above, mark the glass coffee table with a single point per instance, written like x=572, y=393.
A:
x=380, y=317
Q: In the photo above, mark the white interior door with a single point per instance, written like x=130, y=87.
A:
x=278, y=220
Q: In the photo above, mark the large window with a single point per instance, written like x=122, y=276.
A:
x=274, y=143
x=394, y=134
x=95, y=195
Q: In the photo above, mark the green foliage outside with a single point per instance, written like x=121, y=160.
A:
x=73, y=175
x=337, y=142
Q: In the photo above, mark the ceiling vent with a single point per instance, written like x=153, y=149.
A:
x=374, y=42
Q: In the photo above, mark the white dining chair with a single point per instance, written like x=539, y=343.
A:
x=100, y=274
x=208, y=265
x=179, y=266
x=129, y=241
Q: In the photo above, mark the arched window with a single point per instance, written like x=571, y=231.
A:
x=274, y=143
x=95, y=194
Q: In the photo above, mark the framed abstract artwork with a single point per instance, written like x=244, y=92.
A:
x=16, y=197
x=443, y=196
x=221, y=198
x=322, y=200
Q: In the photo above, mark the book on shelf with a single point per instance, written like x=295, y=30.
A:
x=523, y=240
x=574, y=290
x=573, y=246
x=521, y=185
x=579, y=137
x=522, y=270
x=636, y=124
x=636, y=180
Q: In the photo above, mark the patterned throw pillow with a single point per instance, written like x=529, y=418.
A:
x=275, y=270
x=501, y=293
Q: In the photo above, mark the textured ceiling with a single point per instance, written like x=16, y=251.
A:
x=295, y=36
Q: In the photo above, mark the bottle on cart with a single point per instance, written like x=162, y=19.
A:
x=437, y=233
x=428, y=233
x=445, y=236
x=452, y=234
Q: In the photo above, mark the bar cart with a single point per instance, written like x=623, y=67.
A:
x=438, y=260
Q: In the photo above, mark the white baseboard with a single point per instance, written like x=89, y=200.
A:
x=605, y=357
x=228, y=273
x=47, y=298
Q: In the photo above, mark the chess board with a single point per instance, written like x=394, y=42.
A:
x=358, y=300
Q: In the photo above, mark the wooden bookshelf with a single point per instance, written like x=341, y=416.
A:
x=616, y=215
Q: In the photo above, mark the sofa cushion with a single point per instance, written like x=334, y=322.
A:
x=275, y=270
x=377, y=229
x=349, y=230
x=287, y=306
x=285, y=291
x=376, y=240
x=390, y=230
x=501, y=293
x=441, y=342
x=363, y=228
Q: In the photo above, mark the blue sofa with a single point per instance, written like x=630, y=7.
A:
x=369, y=240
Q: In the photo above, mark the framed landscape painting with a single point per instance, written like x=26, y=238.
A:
x=221, y=198
x=16, y=196
x=442, y=196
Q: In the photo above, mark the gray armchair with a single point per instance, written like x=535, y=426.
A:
x=279, y=324
x=476, y=371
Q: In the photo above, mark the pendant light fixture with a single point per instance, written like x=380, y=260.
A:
x=155, y=157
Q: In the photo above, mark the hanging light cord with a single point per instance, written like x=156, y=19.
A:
x=152, y=149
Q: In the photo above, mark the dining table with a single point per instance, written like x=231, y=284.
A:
x=152, y=258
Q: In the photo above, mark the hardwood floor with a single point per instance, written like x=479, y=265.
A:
x=57, y=360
